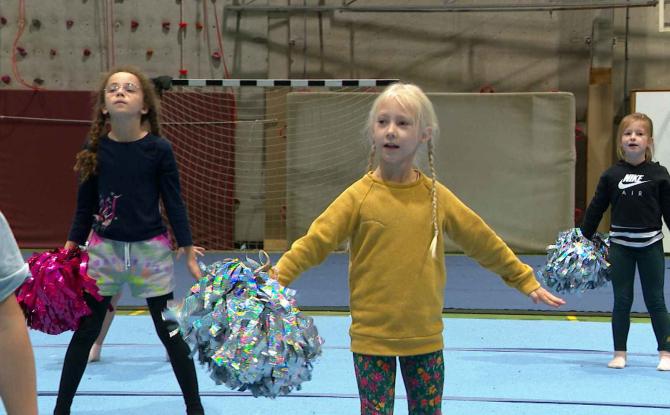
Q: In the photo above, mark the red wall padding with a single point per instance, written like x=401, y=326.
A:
x=37, y=183
x=38, y=186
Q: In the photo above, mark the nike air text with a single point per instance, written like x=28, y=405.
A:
x=631, y=180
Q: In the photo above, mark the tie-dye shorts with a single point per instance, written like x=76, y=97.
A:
x=147, y=266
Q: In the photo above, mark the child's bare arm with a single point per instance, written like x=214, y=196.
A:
x=17, y=377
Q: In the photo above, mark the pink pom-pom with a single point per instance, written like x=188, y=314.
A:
x=52, y=298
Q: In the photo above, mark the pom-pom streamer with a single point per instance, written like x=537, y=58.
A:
x=52, y=298
x=247, y=329
x=575, y=263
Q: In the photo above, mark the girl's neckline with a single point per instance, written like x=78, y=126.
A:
x=112, y=139
x=416, y=181
x=635, y=165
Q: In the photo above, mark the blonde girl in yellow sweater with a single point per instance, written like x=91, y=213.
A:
x=394, y=218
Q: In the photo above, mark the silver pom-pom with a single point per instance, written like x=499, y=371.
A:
x=576, y=264
x=247, y=329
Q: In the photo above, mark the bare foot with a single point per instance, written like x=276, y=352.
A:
x=94, y=354
x=618, y=362
x=663, y=361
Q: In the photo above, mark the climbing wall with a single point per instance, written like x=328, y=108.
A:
x=66, y=44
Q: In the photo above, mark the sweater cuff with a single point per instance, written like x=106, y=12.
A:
x=284, y=276
x=529, y=285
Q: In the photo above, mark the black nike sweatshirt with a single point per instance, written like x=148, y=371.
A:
x=639, y=196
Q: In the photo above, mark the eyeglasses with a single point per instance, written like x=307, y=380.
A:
x=129, y=87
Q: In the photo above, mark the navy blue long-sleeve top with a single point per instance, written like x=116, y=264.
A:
x=121, y=201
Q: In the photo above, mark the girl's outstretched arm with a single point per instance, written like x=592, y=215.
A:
x=546, y=297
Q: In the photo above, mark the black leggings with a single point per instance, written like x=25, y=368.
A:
x=76, y=356
x=650, y=263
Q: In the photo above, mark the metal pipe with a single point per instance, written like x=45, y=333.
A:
x=450, y=8
x=626, y=99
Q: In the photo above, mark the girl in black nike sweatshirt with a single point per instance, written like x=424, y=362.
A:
x=638, y=190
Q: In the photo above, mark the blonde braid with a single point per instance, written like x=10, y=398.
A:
x=371, y=158
x=433, y=197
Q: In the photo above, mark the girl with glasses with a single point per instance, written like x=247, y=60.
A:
x=125, y=170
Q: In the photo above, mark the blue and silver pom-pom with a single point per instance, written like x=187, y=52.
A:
x=575, y=263
x=247, y=329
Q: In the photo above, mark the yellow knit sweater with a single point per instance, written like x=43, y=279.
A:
x=396, y=286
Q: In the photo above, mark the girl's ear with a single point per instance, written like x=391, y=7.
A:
x=144, y=110
x=427, y=134
x=104, y=111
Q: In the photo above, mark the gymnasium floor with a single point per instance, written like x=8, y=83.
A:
x=510, y=366
x=517, y=360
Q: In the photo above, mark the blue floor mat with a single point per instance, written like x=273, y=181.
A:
x=493, y=366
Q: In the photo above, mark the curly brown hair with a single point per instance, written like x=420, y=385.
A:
x=87, y=159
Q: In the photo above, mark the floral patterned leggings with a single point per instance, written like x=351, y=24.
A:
x=423, y=376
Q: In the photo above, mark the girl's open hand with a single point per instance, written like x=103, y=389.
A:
x=546, y=297
x=191, y=253
x=197, y=250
